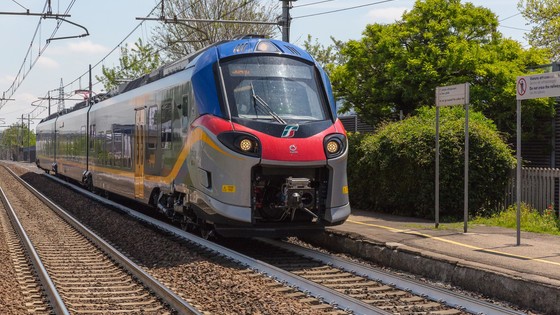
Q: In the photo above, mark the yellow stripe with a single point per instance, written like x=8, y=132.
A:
x=197, y=135
x=409, y=232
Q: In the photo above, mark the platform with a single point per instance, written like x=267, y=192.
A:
x=486, y=259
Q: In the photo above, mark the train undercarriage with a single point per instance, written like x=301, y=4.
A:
x=281, y=205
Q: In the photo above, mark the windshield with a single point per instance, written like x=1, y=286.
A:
x=273, y=88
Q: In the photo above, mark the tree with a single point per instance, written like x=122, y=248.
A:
x=327, y=56
x=400, y=168
x=183, y=38
x=396, y=67
x=15, y=137
x=136, y=62
x=545, y=15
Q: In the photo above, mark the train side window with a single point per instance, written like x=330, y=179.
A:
x=99, y=148
x=127, y=150
x=118, y=147
x=109, y=147
x=188, y=108
x=166, y=124
x=185, y=112
x=152, y=127
x=185, y=106
x=91, y=136
x=82, y=142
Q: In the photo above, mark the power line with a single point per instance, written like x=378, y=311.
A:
x=312, y=3
x=22, y=73
x=13, y=86
x=44, y=108
x=26, y=9
x=509, y=17
x=113, y=50
x=515, y=28
x=340, y=10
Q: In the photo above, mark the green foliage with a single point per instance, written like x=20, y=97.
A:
x=16, y=137
x=328, y=57
x=399, y=162
x=397, y=67
x=544, y=15
x=531, y=220
x=179, y=39
x=134, y=63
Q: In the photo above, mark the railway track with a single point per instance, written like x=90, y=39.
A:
x=80, y=272
x=348, y=287
x=21, y=291
x=391, y=293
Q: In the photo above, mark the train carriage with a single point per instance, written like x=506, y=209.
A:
x=240, y=138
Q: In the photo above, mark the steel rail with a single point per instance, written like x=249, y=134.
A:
x=318, y=291
x=448, y=297
x=176, y=302
x=48, y=285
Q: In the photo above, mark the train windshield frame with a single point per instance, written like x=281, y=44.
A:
x=274, y=88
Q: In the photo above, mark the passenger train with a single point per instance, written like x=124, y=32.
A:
x=240, y=139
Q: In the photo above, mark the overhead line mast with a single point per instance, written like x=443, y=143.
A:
x=284, y=20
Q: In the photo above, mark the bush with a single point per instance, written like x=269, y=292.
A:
x=394, y=169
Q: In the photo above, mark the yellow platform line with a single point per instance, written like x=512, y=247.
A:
x=395, y=230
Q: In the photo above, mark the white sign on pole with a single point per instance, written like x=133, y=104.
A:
x=530, y=87
x=458, y=94
x=452, y=95
x=538, y=85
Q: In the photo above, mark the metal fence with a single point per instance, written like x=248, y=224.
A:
x=539, y=188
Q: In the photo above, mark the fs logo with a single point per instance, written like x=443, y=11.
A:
x=290, y=131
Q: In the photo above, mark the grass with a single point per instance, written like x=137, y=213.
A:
x=531, y=220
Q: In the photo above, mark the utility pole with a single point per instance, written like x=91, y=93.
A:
x=286, y=19
x=49, y=111
x=283, y=21
x=28, y=138
x=20, y=140
x=61, y=97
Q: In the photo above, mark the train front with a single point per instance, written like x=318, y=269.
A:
x=279, y=163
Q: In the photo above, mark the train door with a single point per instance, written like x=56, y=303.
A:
x=139, y=149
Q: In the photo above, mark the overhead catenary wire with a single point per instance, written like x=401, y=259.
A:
x=312, y=3
x=39, y=112
x=509, y=17
x=133, y=31
x=22, y=73
x=114, y=48
x=341, y=10
x=37, y=109
x=26, y=9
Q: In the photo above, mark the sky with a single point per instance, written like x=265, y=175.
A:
x=109, y=22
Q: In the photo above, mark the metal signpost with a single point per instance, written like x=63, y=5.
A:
x=448, y=96
x=530, y=87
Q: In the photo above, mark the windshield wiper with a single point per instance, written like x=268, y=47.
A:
x=258, y=100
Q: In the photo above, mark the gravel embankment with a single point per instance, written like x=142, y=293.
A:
x=213, y=284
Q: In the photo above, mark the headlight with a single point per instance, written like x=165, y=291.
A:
x=241, y=142
x=246, y=145
x=335, y=145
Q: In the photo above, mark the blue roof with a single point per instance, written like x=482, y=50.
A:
x=244, y=46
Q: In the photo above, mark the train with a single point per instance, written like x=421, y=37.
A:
x=239, y=139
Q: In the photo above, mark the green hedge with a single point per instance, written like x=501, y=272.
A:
x=393, y=170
